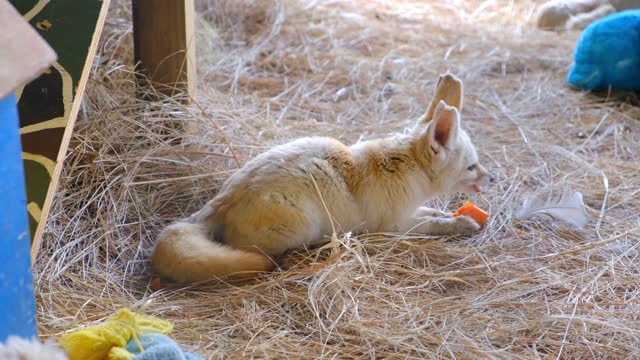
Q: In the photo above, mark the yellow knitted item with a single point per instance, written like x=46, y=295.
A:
x=107, y=340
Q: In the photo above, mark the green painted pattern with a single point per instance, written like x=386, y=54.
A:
x=37, y=175
x=72, y=25
x=68, y=26
x=24, y=6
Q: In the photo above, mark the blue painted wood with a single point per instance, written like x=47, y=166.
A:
x=17, y=301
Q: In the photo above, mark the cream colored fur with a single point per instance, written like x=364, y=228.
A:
x=578, y=14
x=17, y=348
x=307, y=189
x=555, y=14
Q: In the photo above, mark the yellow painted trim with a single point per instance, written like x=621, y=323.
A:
x=67, y=88
x=67, y=101
x=19, y=93
x=35, y=211
x=58, y=122
x=42, y=160
x=35, y=10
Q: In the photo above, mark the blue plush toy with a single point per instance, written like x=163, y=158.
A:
x=608, y=54
x=158, y=347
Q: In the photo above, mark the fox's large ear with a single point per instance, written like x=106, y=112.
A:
x=449, y=90
x=444, y=128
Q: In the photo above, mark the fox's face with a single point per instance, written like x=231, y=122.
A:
x=453, y=158
x=464, y=165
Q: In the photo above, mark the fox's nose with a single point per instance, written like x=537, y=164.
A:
x=492, y=178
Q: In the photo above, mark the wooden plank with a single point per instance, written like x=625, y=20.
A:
x=165, y=44
x=16, y=284
x=25, y=55
x=49, y=105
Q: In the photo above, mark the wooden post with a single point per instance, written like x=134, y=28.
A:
x=165, y=44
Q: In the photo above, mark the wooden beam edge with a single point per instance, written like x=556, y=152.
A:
x=190, y=56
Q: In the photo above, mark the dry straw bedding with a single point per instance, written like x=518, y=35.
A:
x=271, y=71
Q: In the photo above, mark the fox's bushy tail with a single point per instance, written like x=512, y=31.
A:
x=185, y=253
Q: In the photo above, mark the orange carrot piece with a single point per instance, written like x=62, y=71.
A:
x=155, y=283
x=480, y=216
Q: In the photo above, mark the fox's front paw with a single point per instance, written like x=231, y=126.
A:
x=424, y=211
x=465, y=225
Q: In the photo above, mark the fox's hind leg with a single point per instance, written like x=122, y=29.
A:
x=272, y=223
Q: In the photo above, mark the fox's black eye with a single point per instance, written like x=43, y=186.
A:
x=472, y=167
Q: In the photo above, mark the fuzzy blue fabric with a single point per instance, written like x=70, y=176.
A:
x=608, y=54
x=158, y=347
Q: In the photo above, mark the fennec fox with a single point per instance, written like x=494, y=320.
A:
x=301, y=191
